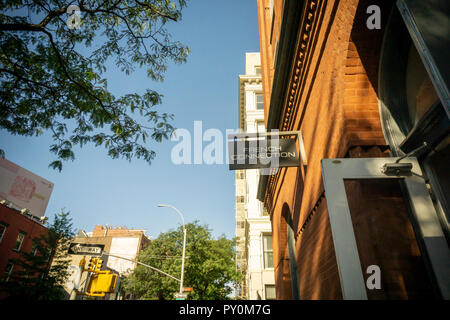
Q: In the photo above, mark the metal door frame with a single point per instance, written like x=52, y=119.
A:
x=334, y=171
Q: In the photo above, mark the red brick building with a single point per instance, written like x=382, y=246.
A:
x=17, y=231
x=364, y=84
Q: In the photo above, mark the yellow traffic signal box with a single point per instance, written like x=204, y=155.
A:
x=102, y=283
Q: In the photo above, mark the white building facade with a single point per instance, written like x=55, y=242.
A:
x=253, y=227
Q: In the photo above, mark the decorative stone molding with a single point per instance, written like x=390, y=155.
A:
x=304, y=43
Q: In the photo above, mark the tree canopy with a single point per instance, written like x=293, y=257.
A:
x=209, y=266
x=53, y=55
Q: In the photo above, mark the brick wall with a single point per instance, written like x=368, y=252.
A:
x=105, y=231
x=101, y=231
x=332, y=99
x=283, y=274
x=360, y=103
x=16, y=222
x=319, y=277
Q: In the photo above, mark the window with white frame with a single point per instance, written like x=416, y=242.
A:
x=34, y=247
x=8, y=271
x=275, y=52
x=271, y=9
x=267, y=251
x=270, y=292
x=19, y=241
x=2, y=230
x=240, y=224
x=272, y=19
x=259, y=101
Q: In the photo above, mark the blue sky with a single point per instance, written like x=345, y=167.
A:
x=99, y=190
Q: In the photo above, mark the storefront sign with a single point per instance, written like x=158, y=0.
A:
x=268, y=152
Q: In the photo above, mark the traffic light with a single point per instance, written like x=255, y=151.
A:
x=91, y=264
x=98, y=265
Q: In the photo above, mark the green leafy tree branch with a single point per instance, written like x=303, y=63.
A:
x=51, y=75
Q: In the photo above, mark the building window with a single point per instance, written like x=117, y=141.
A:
x=272, y=19
x=34, y=247
x=259, y=101
x=19, y=240
x=271, y=9
x=268, y=251
x=8, y=271
x=275, y=53
x=264, y=210
x=258, y=70
x=270, y=292
x=240, y=224
x=240, y=199
x=2, y=230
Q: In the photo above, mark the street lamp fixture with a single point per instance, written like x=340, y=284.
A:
x=184, y=242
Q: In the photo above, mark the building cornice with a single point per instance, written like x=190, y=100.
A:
x=293, y=10
x=298, y=20
x=259, y=220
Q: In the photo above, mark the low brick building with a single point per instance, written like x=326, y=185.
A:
x=17, y=231
x=363, y=81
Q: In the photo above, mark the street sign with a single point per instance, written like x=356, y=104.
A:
x=86, y=249
x=186, y=289
x=180, y=296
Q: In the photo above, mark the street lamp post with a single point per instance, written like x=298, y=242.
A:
x=184, y=243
